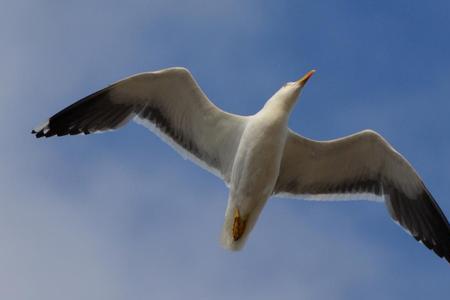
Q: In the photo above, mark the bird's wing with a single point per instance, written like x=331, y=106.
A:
x=171, y=104
x=362, y=165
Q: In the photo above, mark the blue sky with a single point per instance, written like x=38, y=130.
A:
x=122, y=216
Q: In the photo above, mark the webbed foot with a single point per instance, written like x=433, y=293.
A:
x=238, y=225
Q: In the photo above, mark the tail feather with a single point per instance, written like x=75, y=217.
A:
x=227, y=241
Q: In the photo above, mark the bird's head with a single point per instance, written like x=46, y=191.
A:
x=300, y=83
x=288, y=94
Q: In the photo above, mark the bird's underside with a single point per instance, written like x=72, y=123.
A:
x=171, y=104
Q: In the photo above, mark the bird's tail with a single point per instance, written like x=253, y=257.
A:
x=237, y=228
x=228, y=239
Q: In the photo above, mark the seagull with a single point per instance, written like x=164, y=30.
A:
x=258, y=156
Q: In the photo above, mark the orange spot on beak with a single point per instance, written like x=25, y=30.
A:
x=302, y=81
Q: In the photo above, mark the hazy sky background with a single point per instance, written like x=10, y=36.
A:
x=122, y=216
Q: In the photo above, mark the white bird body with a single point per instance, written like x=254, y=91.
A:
x=255, y=168
x=259, y=156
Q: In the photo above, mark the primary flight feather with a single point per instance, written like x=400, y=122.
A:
x=259, y=156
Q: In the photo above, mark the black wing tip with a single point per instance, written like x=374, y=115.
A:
x=41, y=130
x=441, y=241
x=441, y=253
x=48, y=130
x=423, y=218
x=440, y=250
x=436, y=248
x=94, y=113
x=38, y=134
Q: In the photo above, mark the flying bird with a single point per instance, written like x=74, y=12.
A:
x=258, y=156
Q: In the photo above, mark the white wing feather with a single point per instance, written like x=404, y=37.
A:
x=171, y=104
x=359, y=165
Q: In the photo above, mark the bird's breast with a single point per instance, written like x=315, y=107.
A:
x=253, y=177
x=257, y=162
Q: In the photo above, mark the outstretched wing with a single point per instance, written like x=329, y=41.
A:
x=364, y=165
x=171, y=104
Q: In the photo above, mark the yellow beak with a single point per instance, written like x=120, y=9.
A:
x=302, y=81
